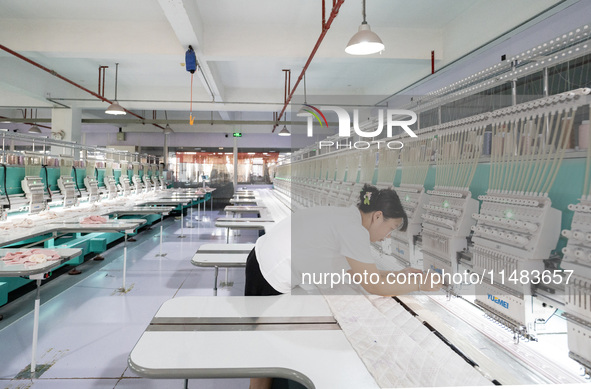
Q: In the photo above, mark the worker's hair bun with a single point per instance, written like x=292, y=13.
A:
x=368, y=198
x=372, y=199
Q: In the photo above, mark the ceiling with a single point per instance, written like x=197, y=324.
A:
x=242, y=47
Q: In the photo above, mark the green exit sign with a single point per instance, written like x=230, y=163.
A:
x=237, y=135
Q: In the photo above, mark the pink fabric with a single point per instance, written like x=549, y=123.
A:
x=30, y=257
x=94, y=219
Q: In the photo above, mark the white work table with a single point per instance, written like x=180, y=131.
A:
x=253, y=200
x=165, y=201
x=126, y=226
x=146, y=210
x=244, y=209
x=68, y=225
x=228, y=248
x=140, y=210
x=191, y=196
x=283, y=308
x=243, y=224
x=37, y=273
x=170, y=202
x=20, y=270
x=221, y=255
x=284, y=336
x=245, y=220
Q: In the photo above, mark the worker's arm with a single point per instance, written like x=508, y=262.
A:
x=386, y=285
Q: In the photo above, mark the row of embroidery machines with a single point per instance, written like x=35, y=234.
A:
x=34, y=180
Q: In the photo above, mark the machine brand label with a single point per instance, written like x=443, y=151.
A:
x=497, y=300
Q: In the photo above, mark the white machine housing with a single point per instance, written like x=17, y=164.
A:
x=91, y=185
x=34, y=188
x=446, y=224
x=111, y=186
x=67, y=188
x=147, y=182
x=137, y=183
x=401, y=245
x=156, y=182
x=577, y=295
x=513, y=235
x=125, y=185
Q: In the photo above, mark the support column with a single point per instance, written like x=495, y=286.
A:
x=68, y=120
x=235, y=163
x=165, y=152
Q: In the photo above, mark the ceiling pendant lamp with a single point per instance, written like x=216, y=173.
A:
x=284, y=131
x=167, y=130
x=115, y=108
x=365, y=41
x=34, y=129
x=303, y=111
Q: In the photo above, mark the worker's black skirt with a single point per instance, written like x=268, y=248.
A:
x=256, y=284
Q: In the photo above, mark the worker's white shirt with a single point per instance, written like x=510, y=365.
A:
x=313, y=240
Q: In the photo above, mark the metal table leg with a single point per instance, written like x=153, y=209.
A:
x=215, y=285
x=36, y=328
x=161, y=233
x=124, y=261
x=190, y=225
x=182, y=222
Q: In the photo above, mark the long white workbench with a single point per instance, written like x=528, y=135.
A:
x=287, y=336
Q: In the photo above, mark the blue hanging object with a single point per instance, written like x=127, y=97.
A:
x=190, y=60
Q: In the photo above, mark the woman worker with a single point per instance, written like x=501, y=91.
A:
x=319, y=244
x=330, y=240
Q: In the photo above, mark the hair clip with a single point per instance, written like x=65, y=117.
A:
x=366, y=198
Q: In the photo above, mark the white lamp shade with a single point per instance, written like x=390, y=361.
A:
x=284, y=132
x=115, y=109
x=168, y=130
x=303, y=112
x=364, y=42
x=34, y=130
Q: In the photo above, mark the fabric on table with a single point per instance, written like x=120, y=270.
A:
x=30, y=257
x=19, y=223
x=397, y=349
x=94, y=219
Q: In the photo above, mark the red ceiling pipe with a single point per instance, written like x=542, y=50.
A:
x=335, y=11
x=287, y=86
x=101, y=80
x=432, y=61
x=323, y=14
x=54, y=73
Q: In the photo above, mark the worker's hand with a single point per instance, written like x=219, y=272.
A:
x=431, y=282
x=409, y=270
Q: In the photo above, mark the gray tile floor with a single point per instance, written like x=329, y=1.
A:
x=87, y=328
